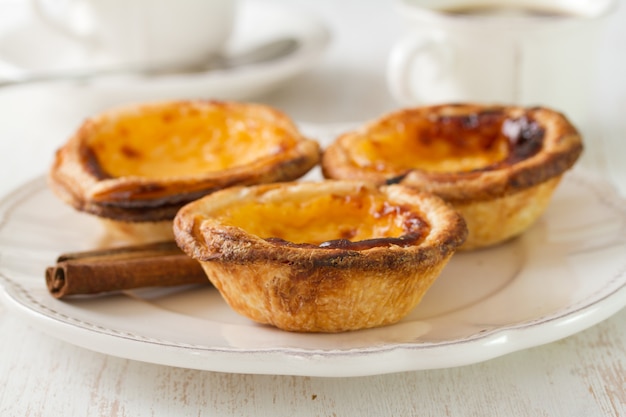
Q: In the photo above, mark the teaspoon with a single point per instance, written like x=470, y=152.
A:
x=258, y=54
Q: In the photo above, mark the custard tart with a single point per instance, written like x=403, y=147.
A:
x=497, y=165
x=326, y=256
x=136, y=166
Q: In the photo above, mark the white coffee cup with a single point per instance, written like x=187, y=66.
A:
x=526, y=52
x=144, y=31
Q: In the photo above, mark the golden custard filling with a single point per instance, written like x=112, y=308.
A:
x=328, y=220
x=184, y=141
x=449, y=144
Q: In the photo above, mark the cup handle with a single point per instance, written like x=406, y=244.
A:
x=433, y=51
x=65, y=28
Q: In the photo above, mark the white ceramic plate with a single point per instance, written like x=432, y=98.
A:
x=565, y=274
x=21, y=51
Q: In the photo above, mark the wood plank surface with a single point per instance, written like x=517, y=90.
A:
x=583, y=375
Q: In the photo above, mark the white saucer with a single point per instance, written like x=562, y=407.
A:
x=33, y=48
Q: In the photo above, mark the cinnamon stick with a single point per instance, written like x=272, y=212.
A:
x=159, y=264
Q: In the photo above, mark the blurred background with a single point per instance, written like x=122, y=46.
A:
x=337, y=76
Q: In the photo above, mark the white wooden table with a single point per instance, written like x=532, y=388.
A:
x=582, y=375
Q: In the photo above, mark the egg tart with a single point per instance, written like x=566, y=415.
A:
x=136, y=166
x=497, y=165
x=326, y=256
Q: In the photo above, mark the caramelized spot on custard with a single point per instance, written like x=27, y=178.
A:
x=404, y=240
x=355, y=221
x=193, y=139
x=448, y=143
x=525, y=137
x=129, y=152
x=168, y=117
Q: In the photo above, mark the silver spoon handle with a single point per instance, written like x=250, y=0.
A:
x=256, y=55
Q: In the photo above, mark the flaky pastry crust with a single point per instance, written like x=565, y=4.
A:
x=325, y=256
x=139, y=164
x=497, y=165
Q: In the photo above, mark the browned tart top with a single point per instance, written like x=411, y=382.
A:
x=461, y=152
x=141, y=163
x=326, y=222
